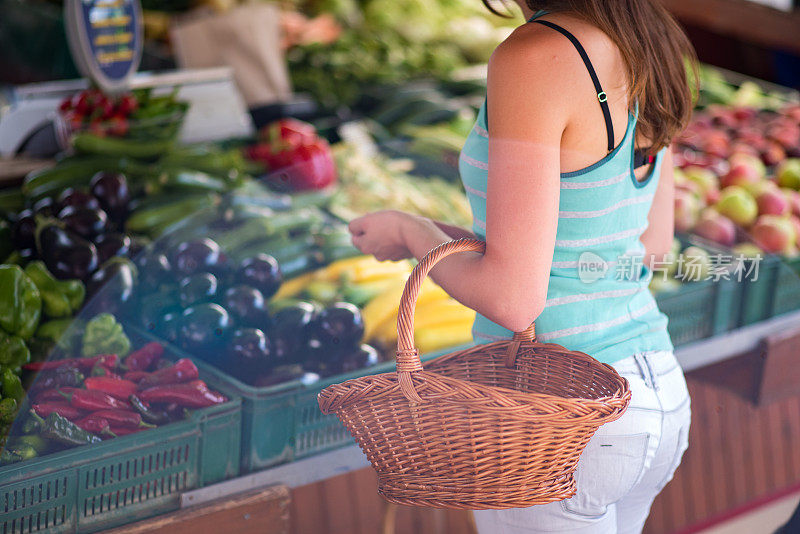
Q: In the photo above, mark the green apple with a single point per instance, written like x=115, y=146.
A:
x=738, y=205
x=696, y=264
x=788, y=173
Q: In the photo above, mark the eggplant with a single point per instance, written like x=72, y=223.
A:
x=291, y=327
x=363, y=356
x=204, y=331
x=79, y=198
x=200, y=287
x=246, y=305
x=262, y=272
x=111, y=190
x=23, y=231
x=115, y=278
x=154, y=269
x=46, y=207
x=151, y=309
x=282, y=374
x=339, y=327
x=250, y=353
x=169, y=326
x=138, y=244
x=195, y=256
x=66, y=254
x=111, y=244
x=86, y=222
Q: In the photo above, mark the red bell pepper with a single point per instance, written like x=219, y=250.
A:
x=115, y=387
x=288, y=132
x=304, y=167
x=92, y=400
x=144, y=358
x=184, y=370
x=61, y=408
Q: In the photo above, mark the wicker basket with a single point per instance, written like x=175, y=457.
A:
x=500, y=425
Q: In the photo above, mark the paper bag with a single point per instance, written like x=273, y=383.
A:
x=248, y=39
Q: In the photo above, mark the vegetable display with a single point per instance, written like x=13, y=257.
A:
x=68, y=406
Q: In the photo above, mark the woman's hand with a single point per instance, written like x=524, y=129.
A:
x=382, y=234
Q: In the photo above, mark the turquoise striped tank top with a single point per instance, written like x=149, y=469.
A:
x=598, y=301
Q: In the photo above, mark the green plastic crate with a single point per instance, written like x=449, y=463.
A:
x=96, y=487
x=786, y=297
x=283, y=423
x=699, y=310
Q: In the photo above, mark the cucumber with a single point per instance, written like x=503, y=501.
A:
x=274, y=202
x=111, y=146
x=276, y=247
x=292, y=266
x=315, y=199
x=152, y=221
x=261, y=227
x=191, y=181
x=339, y=252
x=12, y=201
x=78, y=173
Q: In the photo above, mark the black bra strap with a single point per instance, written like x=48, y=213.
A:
x=601, y=95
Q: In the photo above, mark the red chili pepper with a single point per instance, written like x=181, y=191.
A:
x=61, y=408
x=184, y=370
x=94, y=424
x=135, y=376
x=144, y=358
x=115, y=387
x=92, y=400
x=191, y=395
x=84, y=364
x=124, y=418
x=54, y=395
x=125, y=430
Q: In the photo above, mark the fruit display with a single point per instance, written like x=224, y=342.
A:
x=101, y=395
x=738, y=177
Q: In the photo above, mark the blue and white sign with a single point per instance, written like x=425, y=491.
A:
x=105, y=39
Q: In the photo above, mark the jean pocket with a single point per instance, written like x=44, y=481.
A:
x=610, y=466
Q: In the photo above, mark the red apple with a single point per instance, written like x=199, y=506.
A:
x=706, y=181
x=774, y=234
x=717, y=228
x=740, y=174
x=788, y=173
x=796, y=223
x=793, y=197
x=687, y=210
x=785, y=133
x=773, y=154
x=772, y=202
x=746, y=158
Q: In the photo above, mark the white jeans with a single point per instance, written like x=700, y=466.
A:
x=625, y=464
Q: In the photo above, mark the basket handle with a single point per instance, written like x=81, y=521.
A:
x=408, y=360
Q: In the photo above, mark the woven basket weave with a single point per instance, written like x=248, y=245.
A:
x=500, y=425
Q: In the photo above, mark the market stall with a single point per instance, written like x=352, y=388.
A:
x=178, y=282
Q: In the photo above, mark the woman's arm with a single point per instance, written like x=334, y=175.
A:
x=657, y=239
x=453, y=232
x=528, y=104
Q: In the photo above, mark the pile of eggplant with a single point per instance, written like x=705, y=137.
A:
x=79, y=232
x=197, y=298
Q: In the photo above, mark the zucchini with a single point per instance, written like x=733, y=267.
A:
x=111, y=146
x=188, y=181
x=261, y=227
x=276, y=247
x=152, y=221
x=293, y=266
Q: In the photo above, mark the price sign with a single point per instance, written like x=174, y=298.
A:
x=105, y=39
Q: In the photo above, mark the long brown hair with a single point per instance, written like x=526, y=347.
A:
x=658, y=56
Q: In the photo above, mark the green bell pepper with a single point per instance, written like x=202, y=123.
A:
x=20, y=302
x=8, y=409
x=12, y=385
x=14, y=352
x=104, y=335
x=60, y=298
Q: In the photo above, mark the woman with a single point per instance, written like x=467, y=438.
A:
x=569, y=178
